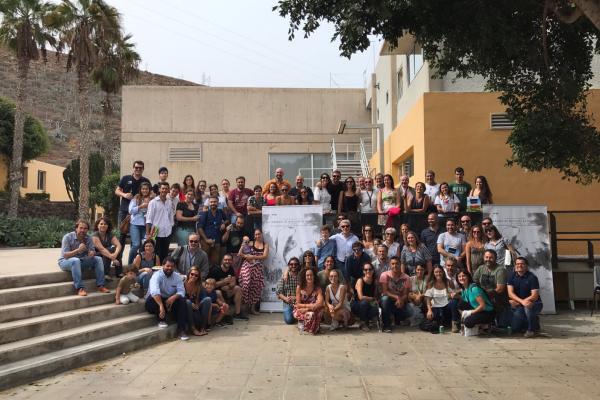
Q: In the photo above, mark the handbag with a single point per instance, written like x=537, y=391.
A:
x=124, y=225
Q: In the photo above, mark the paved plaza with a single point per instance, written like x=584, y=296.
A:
x=264, y=359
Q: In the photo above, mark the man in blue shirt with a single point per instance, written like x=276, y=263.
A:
x=166, y=294
x=524, y=298
x=210, y=227
x=78, y=252
x=325, y=247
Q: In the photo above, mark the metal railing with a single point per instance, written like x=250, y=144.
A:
x=333, y=156
x=364, y=159
x=589, y=236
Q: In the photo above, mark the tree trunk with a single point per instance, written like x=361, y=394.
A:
x=84, y=141
x=591, y=9
x=107, y=144
x=16, y=162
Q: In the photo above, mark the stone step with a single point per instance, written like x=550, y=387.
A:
x=22, y=349
x=15, y=281
x=45, y=324
x=33, y=368
x=45, y=291
x=36, y=308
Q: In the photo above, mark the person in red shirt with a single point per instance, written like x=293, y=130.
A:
x=237, y=199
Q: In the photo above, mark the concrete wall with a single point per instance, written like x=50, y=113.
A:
x=55, y=184
x=446, y=130
x=236, y=127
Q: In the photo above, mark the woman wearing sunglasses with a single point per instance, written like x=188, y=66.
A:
x=366, y=296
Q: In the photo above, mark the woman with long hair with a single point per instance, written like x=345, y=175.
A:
x=308, y=309
x=482, y=190
x=420, y=202
x=437, y=297
x=348, y=201
x=144, y=263
x=271, y=196
x=366, y=295
x=368, y=240
x=302, y=197
x=252, y=280
x=188, y=183
x=496, y=242
x=475, y=248
x=186, y=216
x=476, y=306
x=108, y=246
x=321, y=194
x=387, y=196
x=414, y=253
x=336, y=301
x=285, y=199
x=446, y=201
x=197, y=310
x=138, y=207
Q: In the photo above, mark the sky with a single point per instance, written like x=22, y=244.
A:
x=237, y=43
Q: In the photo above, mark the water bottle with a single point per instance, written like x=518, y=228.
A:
x=442, y=329
x=509, y=330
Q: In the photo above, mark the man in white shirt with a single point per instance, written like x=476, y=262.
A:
x=343, y=242
x=432, y=189
x=159, y=220
x=451, y=243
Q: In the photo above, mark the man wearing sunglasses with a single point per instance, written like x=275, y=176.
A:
x=191, y=255
x=353, y=268
x=343, y=244
x=335, y=187
x=286, y=290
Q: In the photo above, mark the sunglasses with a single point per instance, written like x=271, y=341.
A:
x=193, y=241
x=465, y=221
x=337, y=176
x=356, y=250
x=368, y=270
x=194, y=275
x=344, y=226
x=138, y=167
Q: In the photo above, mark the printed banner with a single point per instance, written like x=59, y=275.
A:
x=289, y=231
x=526, y=228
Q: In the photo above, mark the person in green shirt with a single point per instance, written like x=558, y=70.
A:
x=460, y=187
x=476, y=306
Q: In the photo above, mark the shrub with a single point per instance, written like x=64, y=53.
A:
x=104, y=196
x=37, y=196
x=29, y=231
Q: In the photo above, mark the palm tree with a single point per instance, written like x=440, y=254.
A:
x=118, y=63
x=85, y=26
x=23, y=30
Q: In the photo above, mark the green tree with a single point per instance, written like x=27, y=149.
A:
x=35, y=141
x=117, y=64
x=23, y=30
x=85, y=26
x=103, y=195
x=537, y=54
x=73, y=180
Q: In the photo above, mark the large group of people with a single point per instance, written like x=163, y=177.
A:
x=459, y=276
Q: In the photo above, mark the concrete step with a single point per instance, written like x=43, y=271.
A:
x=45, y=291
x=35, y=346
x=30, y=309
x=15, y=281
x=45, y=324
x=33, y=368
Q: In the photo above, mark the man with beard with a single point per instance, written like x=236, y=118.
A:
x=492, y=278
x=166, y=294
x=429, y=237
x=334, y=188
x=237, y=199
x=286, y=290
x=278, y=181
x=224, y=275
x=210, y=226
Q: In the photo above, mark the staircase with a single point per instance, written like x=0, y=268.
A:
x=351, y=159
x=46, y=329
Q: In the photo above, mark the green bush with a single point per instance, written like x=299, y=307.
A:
x=37, y=196
x=29, y=231
x=103, y=195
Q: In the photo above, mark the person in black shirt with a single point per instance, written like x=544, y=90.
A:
x=335, y=187
x=163, y=176
x=224, y=275
x=128, y=187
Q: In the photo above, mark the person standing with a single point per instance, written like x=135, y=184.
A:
x=432, y=188
x=429, y=237
x=163, y=176
x=237, y=199
x=159, y=220
x=451, y=243
x=335, y=187
x=295, y=191
x=252, y=279
x=186, y=217
x=343, y=244
x=210, y=227
x=128, y=187
x=278, y=181
x=460, y=187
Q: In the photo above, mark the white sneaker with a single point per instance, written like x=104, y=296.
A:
x=163, y=324
x=334, y=325
x=300, y=327
x=184, y=336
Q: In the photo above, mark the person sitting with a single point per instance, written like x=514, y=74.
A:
x=124, y=294
x=323, y=276
x=381, y=264
x=451, y=267
x=166, y=294
x=325, y=247
x=492, y=278
x=225, y=281
x=437, y=295
x=219, y=308
x=284, y=199
x=368, y=241
x=476, y=306
x=366, y=295
x=524, y=298
x=396, y=286
x=144, y=262
x=78, y=252
x=197, y=311
x=416, y=296
x=286, y=290
x=336, y=302
x=108, y=246
x=308, y=309
x=191, y=255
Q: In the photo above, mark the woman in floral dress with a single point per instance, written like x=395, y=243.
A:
x=252, y=279
x=308, y=309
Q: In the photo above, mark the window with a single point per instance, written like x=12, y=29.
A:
x=310, y=166
x=415, y=62
x=24, y=172
x=41, y=180
x=407, y=166
x=399, y=77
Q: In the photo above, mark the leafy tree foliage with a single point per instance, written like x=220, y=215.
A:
x=103, y=195
x=35, y=141
x=72, y=179
x=536, y=54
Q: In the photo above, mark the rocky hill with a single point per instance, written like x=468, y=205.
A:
x=53, y=100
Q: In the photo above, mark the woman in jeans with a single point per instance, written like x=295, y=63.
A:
x=144, y=263
x=476, y=305
x=138, y=207
x=197, y=310
x=437, y=297
x=367, y=293
x=108, y=246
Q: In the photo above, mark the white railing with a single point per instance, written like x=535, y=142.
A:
x=333, y=156
x=364, y=159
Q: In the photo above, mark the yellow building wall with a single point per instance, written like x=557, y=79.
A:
x=55, y=184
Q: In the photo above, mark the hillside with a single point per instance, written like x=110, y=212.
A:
x=53, y=100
